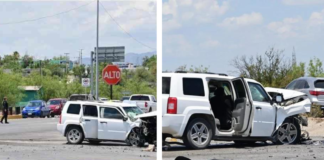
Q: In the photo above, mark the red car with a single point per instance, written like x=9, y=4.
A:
x=56, y=105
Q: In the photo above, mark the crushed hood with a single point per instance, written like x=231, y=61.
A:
x=287, y=94
x=150, y=114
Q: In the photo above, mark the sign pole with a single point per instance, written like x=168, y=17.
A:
x=111, y=92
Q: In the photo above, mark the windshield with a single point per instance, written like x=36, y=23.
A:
x=54, y=102
x=34, y=104
x=79, y=97
x=132, y=112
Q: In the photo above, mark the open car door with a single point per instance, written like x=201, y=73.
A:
x=242, y=114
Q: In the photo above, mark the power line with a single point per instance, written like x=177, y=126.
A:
x=125, y=30
x=40, y=18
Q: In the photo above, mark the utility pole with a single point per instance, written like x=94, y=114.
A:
x=97, y=62
x=91, y=72
x=66, y=63
x=80, y=57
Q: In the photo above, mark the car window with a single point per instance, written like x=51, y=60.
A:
x=258, y=93
x=239, y=88
x=90, y=111
x=319, y=84
x=153, y=99
x=166, y=81
x=291, y=85
x=193, y=87
x=300, y=84
x=78, y=97
x=140, y=98
x=54, y=102
x=110, y=113
x=74, y=109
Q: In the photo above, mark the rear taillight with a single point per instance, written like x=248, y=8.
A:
x=172, y=105
x=316, y=93
x=145, y=104
x=60, y=119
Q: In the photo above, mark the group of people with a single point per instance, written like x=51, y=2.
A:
x=5, y=110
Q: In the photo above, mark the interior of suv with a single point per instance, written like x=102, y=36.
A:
x=222, y=103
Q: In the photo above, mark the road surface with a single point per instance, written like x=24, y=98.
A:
x=229, y=151
x=38, y=139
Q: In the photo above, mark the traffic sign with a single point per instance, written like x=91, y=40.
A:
x=85, y=82
x=111, y=74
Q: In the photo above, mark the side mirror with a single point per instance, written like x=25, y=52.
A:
x=125, y=118
x=278, y=98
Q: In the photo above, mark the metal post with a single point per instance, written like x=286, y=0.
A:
x=111, y=92
x=97, y=62
x=81, y=57
x=91, y=71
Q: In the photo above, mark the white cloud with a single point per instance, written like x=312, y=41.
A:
x=243, y=20
x=202, y=11
x=317, y=18
x=302, y=2
x=286, y=28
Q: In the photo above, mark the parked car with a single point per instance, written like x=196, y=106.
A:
x=82, y=97
x=124, y=98
x=56, y=106
x=36, y=108
x=313, y=87
x=199, y=107
x=103, y=99
x=96, y=122
x=146, y=102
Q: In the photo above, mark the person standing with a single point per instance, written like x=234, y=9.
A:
x=5, y=110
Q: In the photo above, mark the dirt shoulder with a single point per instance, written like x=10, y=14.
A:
x=315, y=127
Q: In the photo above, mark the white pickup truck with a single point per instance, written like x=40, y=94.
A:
x=146, y=102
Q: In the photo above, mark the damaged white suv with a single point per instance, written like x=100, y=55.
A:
x=200, y=107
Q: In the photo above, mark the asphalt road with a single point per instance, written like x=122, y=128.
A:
x=38, y=139
x=230, y=151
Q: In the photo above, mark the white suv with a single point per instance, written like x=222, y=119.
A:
x=98, y=122
x=200, y=107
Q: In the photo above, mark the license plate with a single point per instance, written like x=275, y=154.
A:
x=29, y=113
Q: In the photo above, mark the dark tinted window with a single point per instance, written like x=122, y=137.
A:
x=111, y=113
x=193, y=87
x=74, y=109
x=140, y=98
x=239, y=89
x=78, y=97
x=291, y=85
x=166, y=81
x=319, y=84
x=90, y=111
x=300, y=84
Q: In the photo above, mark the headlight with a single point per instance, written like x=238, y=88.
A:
x=57, y=107
x=37, y=108
x=24, y=109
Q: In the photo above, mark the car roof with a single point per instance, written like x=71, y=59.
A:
x=102, y=104
x=198, y=75
x=311, y=78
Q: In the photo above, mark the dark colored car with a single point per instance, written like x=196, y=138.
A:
x=36, y=108
x=56, y=106
x=82, y=97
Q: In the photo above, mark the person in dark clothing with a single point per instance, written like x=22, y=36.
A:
x=221, y=107
x=5, y=110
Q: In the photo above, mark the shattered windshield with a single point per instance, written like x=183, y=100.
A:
x=132, y=112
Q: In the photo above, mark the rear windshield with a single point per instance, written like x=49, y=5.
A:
x=166, y=85
x=79, y=97
x=140, y=98
x=319, y=84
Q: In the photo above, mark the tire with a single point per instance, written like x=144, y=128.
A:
x=135, y=140
x=200, y=129
x=283, y=133
x=52, y=115
x=150, y=110
x=74, y=135
x=94, y=142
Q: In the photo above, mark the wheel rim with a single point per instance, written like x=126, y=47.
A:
x=134, y=139
x=199, y=133
x=74, y=135
x=287, y=133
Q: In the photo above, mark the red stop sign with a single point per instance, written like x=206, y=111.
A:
x=111, y=74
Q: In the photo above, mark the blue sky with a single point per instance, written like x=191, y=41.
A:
x=213, y=32
x=75, y=30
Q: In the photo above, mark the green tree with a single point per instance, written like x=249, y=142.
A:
x=315, y=68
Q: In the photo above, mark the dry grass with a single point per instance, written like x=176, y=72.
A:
x=315, y=112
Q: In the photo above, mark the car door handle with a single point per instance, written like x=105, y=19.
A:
x=103, y=122
x=258, y=107
x=86, y=119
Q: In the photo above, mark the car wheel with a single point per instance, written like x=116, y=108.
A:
x=94, y=142
x=135, y=140
x=52, y=115
x=288, y=133
x=74, y=135
x=198, y=134
x=150, y=110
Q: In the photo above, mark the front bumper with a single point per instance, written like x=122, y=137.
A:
x=31, y=113
x=56, y=111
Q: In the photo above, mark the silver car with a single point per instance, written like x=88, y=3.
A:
x=313, y=87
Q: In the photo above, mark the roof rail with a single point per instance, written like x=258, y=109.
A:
x=220, y=74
